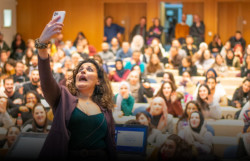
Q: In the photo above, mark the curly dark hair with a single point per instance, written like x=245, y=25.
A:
x=183, y=150
x=103, y=93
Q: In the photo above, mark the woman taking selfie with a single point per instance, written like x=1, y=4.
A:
x=87, y=103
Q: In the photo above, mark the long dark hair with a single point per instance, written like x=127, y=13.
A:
x=160, y=92
x=204, y=105
x=240, y=91
x=102, y=94
x=150, y=126
x=183, y=150
x=34, y=124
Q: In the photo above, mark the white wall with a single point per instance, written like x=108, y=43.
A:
x=11, y=31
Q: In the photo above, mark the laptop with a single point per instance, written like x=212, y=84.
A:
x=131, y=141
x=27, y=146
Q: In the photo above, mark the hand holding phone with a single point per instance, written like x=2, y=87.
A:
x=59, y=13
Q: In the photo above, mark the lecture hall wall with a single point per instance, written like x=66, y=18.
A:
x=220, y=16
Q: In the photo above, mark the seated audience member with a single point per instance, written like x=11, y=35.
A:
x=205, y=62
x=154, y=66
x=181, y=52
x=238, y=52
x=196, y=134
x=80, y=35
x=68, y=48
x=241, y=94
x=87, y=48
x=155, y=31
x=3, y=57
x=112, y=30
x=191, y=106
x=139, y=89
x=114, y=46
x=17, y=47
x=148, y=51
x=14, y=96
x=9, y=68
x=158, y=48
x=124, y=100
x=154, y=134
x=28, y=53
x=245, y=69
x=135, y=61
x=106, y=55
x=189, y=47
x=30, y=100
x=66, y=79
x=243, y=149
x=168, y=76
x=174, y=148
x=34, y=64
x=187, y=65
x=202, y=47
x=98, y=59
x=137, y=43
x=35, y=79
x=161, y=119
x=11, y=135
x=237, y=39
x=80, y=50
x=19, y=75
x=218, y=93
x=120, y=74
x=39, y=123
x=216, y=45
x=225, y=48
x=125, y=53
x=233, y=62
x=142, y=76
x=56, y=75
x=170, y=96
x=220, y=66
x=186, y=86
x=174, y=59
x=209, y=107
x=5, y=119
x=76, y=58
x=3, y=45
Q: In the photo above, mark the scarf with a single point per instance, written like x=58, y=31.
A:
x=120, y=72
x=119, y=96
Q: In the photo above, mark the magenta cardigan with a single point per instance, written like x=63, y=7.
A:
x=63, y=104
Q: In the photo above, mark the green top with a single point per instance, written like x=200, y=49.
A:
x=87, y=132
x=127, y=104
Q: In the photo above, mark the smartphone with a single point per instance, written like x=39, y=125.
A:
x=59, y=13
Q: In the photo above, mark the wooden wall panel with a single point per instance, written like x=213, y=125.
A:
x=85, y=16
x=125, y=14
x=227, y=19
x=245, y=17
x=194, y=8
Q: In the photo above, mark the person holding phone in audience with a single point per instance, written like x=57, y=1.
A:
x=87, y=103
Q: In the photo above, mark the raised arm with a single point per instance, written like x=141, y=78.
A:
x=49, y=86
